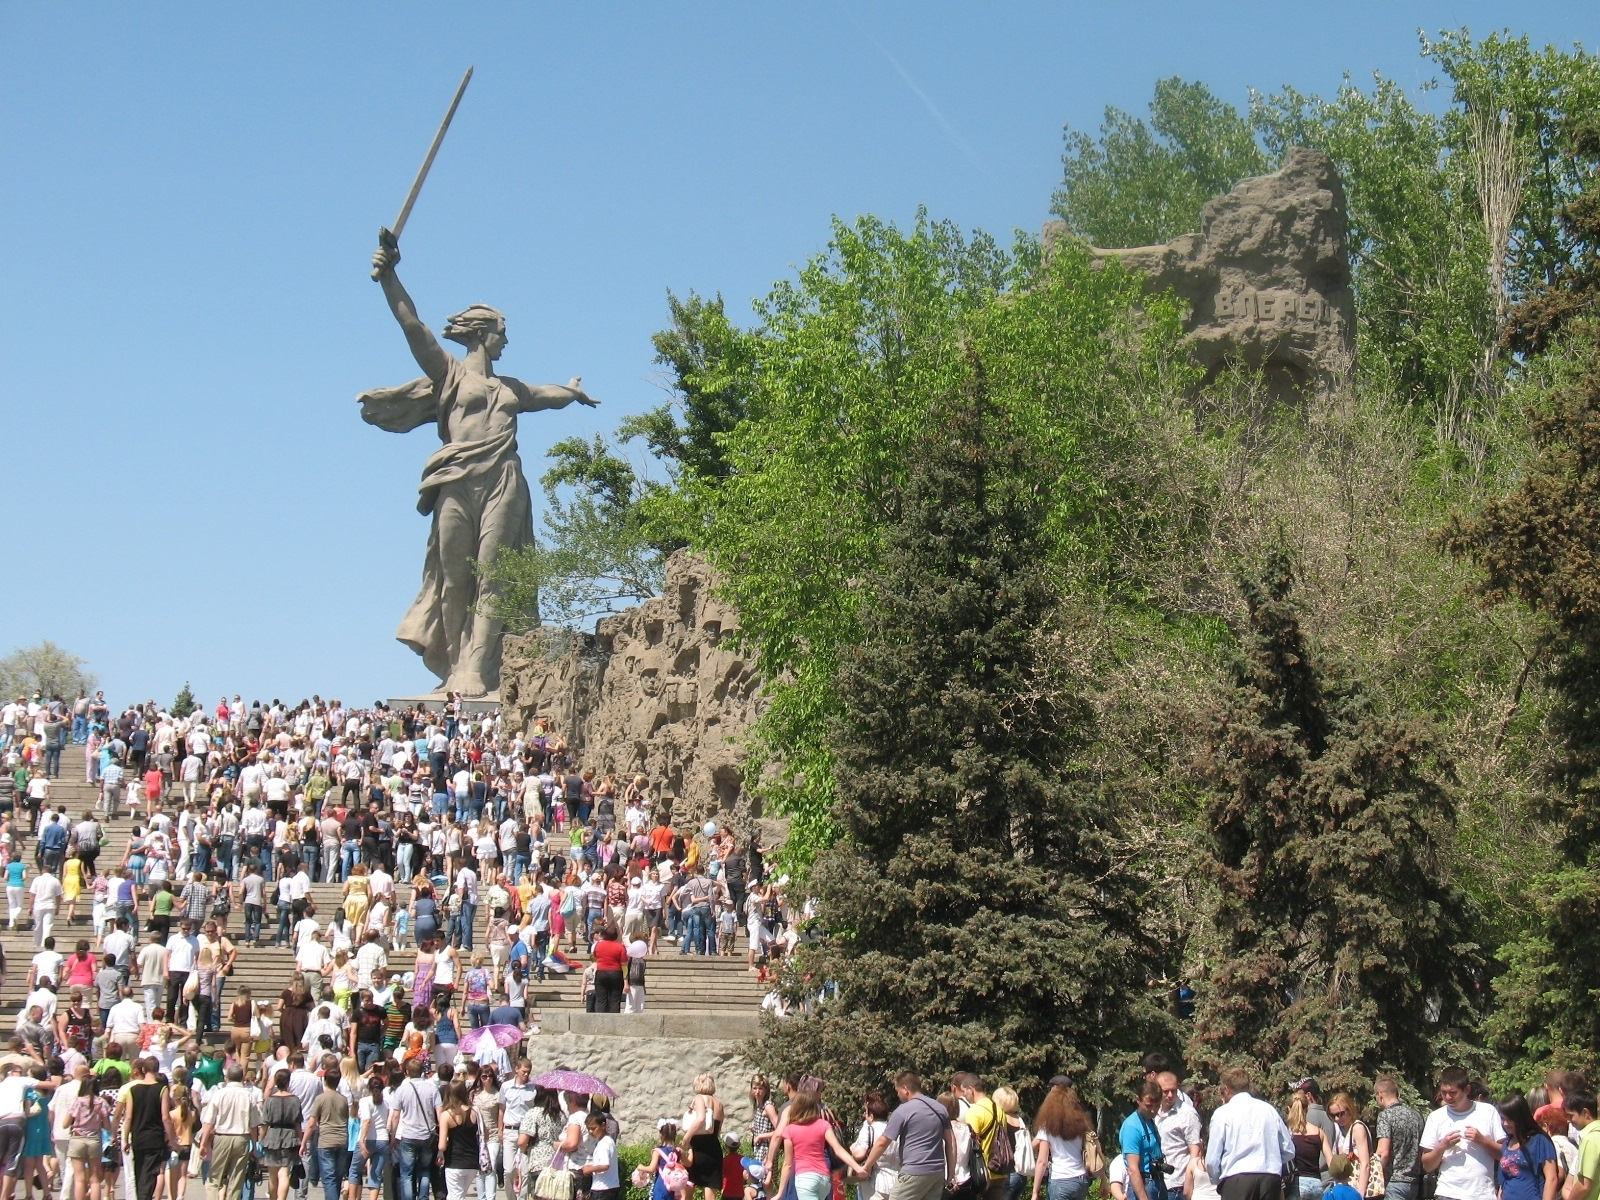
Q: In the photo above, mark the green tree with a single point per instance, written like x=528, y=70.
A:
x=1337, y=943
x=184, y=703
x=710, y=360
x=46, y=668
x=1140, y=183
x=1534, y=547
x=973, y=914
x=851, y=358
x=596, y=557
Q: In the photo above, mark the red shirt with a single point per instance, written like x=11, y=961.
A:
x=610, y=955
x=732, y=1177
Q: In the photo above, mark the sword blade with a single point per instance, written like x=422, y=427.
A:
x=438, y=139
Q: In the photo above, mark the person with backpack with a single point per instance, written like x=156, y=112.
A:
x=983, y=1117
x=1065, y=1148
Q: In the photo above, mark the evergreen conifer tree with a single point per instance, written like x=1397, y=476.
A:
x=1339, y=945
x=973, y=916
x=1538, y=546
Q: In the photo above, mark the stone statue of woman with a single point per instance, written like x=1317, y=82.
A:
x=473, y=484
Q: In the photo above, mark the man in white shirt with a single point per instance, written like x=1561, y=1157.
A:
x=153, y=973
x=369, y=958
x=1179, y=1126
x=467, y=887
x=46, y=965
x=122, y=1025
x=46, y=890
x=1462, y=1140
x=118, y=943
x=182, y=947
x=1249, y=1143
x=309, y=959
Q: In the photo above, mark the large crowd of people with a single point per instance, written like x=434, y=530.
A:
x=499, y=858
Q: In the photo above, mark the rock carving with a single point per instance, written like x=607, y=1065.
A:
x=1267, y=278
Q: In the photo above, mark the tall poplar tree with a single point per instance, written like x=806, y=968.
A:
x=1339, y=945
x=973, y=915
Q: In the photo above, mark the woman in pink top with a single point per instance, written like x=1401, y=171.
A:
x=807, y=1138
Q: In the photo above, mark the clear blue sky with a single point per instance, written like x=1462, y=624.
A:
x=190, y=193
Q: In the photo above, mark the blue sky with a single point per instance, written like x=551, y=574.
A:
x=190, y=194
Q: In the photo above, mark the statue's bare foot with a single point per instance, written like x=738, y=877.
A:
x=468, y=683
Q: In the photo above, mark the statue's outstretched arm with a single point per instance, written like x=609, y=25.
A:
x=537, y=397
x=433, y=358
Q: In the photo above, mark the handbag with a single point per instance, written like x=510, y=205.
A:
x=1377, y=1186
x=553, y=1183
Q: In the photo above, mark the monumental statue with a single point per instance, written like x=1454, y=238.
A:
x=473, y=484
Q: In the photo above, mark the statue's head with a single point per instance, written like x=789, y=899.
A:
x=479, y=325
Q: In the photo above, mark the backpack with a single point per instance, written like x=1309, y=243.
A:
x=1002, y=1146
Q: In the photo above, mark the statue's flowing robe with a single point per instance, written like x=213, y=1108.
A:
x=410, y=406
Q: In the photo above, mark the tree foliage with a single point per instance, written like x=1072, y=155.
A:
x=851, y=359
x=46, y=668
x=184, y=702
x=1140, y=183
x=1338, y=944
x=596, y=556
x=972, y=915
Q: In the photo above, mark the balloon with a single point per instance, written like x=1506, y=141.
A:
x=637, y=949
x=709, y=829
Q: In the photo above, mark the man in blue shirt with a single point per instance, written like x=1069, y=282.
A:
x=1140, y=1143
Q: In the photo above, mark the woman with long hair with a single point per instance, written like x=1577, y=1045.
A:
x=1311, y=1149
x=458, y=1141
x=372, y=1140
x=1528, y=1167
x=1060, y=1127
x=1352, y=1138
x=490, y=1107
x=88, y=1117
x=807, y=1138
x=765, y=1120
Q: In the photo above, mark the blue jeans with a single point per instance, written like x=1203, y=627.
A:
x=332, y=1164
x=349, y=856
x=200, y=859
x=313, y=856
x=252, y=922
x=377, y=1158
x=1400, y=1191
x=80, y=730
x=225, y=856
x=284, y=933
x=1068, y=1189
x=366, y=1054
x=478, y=1015
x=412, y=1163
x=469, y=915
x=130, y=914
x=519, y=867
x=52, y=762
x=697, y=929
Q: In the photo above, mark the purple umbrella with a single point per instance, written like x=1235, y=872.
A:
x=571, y=1081
x=503, y=1035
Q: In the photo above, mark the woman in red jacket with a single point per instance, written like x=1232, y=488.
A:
x=610, y=961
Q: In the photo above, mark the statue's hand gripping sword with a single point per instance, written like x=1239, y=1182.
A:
x=391, y=237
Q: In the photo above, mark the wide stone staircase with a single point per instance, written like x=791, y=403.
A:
x=704, y=985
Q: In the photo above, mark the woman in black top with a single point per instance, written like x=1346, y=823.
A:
x=147, y=1132
x=458, y=1142
x=280, y=1146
